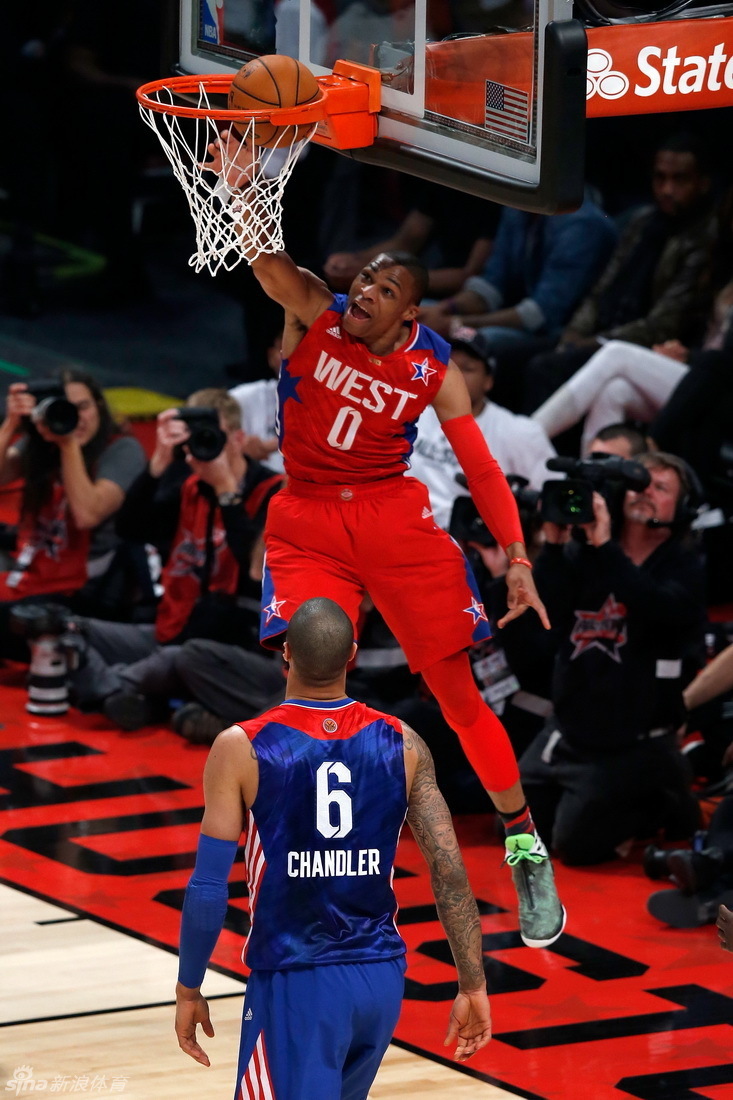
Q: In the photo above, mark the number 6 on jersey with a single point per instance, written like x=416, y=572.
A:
x=327, y=800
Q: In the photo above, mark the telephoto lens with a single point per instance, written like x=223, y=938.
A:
x=207, y=440
x=52, y=407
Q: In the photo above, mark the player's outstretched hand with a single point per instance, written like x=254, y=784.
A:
x=521, y=595
x=192, y=1009
x=724, y=924
x=233, y=158
x=470, y=1024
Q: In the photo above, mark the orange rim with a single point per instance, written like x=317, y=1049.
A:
x=218, y=84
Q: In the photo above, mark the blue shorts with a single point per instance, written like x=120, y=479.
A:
x=318, y=1032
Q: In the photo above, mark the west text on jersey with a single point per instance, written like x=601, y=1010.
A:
x=352, y=384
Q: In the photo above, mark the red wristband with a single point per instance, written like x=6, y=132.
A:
x=521, y=561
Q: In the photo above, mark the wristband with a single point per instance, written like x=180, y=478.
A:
x=521, y=561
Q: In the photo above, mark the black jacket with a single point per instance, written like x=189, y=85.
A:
x=629, y=637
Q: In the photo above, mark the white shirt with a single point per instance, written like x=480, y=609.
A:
x=258, y=402
x=518, y=444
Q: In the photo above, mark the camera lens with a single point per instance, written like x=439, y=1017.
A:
x=206, y=444
x=58, y=414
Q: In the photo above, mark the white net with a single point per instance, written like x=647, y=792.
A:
x=237, y=210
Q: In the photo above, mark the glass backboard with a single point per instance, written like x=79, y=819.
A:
x=487, y=96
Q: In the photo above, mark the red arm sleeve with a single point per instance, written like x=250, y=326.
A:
x=486, y=482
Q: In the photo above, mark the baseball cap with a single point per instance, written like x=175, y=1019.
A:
x=475, y=343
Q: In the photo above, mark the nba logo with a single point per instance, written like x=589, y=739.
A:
x=330, y=725
x=212, y=21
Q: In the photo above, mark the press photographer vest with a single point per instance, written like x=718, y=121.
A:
x=52, y=552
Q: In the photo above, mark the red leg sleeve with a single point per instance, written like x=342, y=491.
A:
x=483, y=737
x=486, y=482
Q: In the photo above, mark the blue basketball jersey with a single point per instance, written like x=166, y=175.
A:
x=322, y=835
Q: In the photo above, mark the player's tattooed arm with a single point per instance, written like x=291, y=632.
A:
x=431, y=824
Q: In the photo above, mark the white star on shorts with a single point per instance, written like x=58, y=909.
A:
x=272, y=609
x=477, y=610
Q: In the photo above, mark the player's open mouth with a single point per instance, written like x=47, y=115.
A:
x=358, y=313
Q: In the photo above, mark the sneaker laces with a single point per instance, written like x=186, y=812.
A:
x=519, y=849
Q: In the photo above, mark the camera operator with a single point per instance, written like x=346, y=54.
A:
x=628, y=608
x=60, y=437
x=205, y=514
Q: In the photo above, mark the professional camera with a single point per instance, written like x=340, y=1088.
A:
x=52, y=407
x=466, y=524
x=570, y=502
x=207, y=440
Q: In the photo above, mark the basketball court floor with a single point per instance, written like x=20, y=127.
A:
x=97, y=839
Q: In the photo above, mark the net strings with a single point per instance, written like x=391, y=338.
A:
x=230, y=227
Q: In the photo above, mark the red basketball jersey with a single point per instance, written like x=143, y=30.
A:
x=348, y=416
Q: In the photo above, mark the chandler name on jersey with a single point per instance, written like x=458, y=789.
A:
x=322, y=832
x=348, y=416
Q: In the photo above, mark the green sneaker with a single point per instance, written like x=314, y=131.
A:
x=541, y=914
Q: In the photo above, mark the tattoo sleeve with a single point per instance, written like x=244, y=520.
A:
x=432, y=826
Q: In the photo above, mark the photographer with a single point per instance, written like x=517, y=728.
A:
x=203, y=505
x=59, y=436
x=628, y=608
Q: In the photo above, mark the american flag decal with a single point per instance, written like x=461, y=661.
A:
x=507, y=111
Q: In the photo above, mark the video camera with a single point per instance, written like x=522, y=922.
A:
x=52, y=406
x=570, y=502
x=207, y=440
x=466, y=524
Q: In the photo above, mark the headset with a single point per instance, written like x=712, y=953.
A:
x=692, y=494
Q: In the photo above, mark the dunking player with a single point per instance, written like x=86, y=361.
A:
x=326, y=783
x=357, y=371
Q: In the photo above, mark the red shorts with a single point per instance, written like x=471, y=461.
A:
x=342, y=541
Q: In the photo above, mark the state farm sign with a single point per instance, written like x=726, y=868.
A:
x=646, y=68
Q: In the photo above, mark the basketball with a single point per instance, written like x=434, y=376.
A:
x=274, y=80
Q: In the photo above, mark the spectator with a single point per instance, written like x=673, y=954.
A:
x=535, y=277
x=73, y=483
x=697, y=416
x=703, y=872
x=223, y=681
x=519, y=446
x=618, y=439
x=454, y=239
x=651, y=291
x=258, y=405
x=205, y=517
x=629, y=613
x=623, y=380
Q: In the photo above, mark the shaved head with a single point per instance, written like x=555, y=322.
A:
x=320, y=636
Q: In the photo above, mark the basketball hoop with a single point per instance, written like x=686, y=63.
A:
x=238, y=212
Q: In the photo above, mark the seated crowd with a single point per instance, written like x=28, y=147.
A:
x=594, y=347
